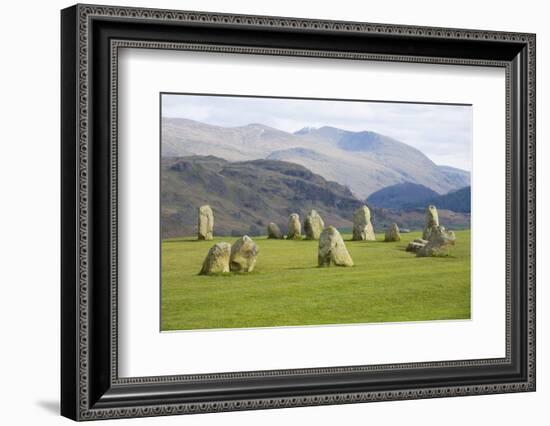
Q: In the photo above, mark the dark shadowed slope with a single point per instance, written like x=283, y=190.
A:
x=397, y=196
x=457, y=201
x=246, y=196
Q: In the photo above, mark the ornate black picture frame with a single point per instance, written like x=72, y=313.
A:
x=91, y=37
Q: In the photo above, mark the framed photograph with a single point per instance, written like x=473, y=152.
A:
x=263, y=212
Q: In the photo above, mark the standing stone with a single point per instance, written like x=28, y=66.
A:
x=206, y=223
x=362, y=226
x=274, y=232
x=392, y=233
x=438, y=244
x=432, y=220
x=332, y=249
x=313, y=225
x=294, y=227
x=243, y=255
x=217, y=259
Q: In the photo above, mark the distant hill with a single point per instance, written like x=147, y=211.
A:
x=408, y=196
x=456, y=201
x=415, y=218
x=363, y=161
x=402, y=194
x=247, y=195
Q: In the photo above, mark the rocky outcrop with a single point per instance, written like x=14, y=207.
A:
x=244, y=253
x=438, y=244
x=362, y=226
x=313, y=225
x=432, y=220
x=294, y=227
x=274, y=232
x=332, y=249
x=217, y=259
x=392, y=233
x=206, y=223
x=435, y=240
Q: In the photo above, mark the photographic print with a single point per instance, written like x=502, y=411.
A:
x=301, y=212
x=312, y=196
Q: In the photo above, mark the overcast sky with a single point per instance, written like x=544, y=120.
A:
x=442, y=132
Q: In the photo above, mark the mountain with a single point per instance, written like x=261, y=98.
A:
x=457, y=201
x=246, y=195
x=459, y=177
x=363, y=161
x=401, y=194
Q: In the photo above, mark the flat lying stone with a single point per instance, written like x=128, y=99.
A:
x=414, y=247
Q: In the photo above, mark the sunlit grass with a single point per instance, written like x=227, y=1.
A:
x=287, y=288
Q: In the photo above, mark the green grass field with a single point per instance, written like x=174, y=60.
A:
x=288, y=289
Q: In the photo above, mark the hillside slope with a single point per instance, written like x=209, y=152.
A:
x=460, y=178
x=246, y=196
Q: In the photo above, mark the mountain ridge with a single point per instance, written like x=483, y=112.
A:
x=364, y=161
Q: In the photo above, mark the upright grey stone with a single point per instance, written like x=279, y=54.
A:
x=332, y=249
x=244, y=252
x=217, y=259
x=432, y=220
x=362, y=226
x=274, y=232
x=392, y=233
x=313, y=225
x=206, y=223
x=294, y=227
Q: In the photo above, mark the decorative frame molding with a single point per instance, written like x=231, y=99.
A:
x=91, y=388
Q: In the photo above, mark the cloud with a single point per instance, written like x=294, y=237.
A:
x=442, y=132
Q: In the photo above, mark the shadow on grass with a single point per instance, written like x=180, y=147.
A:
x=302, y=268
x=181, y=240
x=229, y=274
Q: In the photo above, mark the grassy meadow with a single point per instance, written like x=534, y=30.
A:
x=286, y=288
